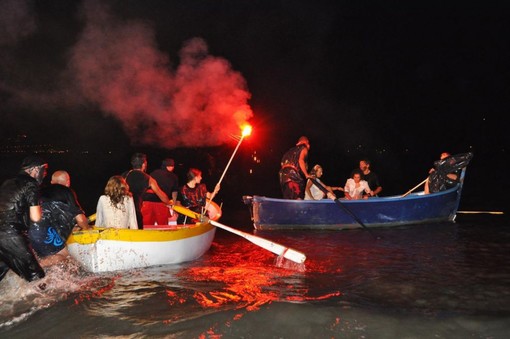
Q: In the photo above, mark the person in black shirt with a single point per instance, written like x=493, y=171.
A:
x=294, y=170
x=139, y=182
x=153, y=209
x=19, y=206
x=61, y=214
x=194, y=194
x=446, y=171
x=370, y=177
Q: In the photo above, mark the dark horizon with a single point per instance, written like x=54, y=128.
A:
x=397, y=83
x=398, y=173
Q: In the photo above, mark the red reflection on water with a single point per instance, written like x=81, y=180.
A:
x=248, y=278
x=92, y=292
x=322, y=297
x=174, y=298
x=244, y=285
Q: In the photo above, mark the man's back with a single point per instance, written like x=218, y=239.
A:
x=61, y=193
x=167, y=181
x=138, y=182
x=16, y=196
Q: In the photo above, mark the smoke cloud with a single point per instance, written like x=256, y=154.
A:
x=16, y=21
x=115, y=65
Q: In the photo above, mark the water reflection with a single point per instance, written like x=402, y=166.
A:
x=233, y=276
x=429, y=279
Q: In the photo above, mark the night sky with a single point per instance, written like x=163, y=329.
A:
x=358, y=77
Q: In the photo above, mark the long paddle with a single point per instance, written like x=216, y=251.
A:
x=339, y=203
x=412, y=189
x=278, y=249
x=481, y=212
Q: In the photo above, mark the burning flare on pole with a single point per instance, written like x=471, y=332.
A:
x=246, y=131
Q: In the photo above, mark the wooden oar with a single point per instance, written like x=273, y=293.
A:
x=481, y=212
x=91, y=218
x=412, y=189
x=271, y=246
x=339, y=203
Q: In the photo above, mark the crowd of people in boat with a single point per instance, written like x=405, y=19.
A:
x=35, y=221
x=297, y=182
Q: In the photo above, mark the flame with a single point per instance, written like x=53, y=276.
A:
x=246, y=130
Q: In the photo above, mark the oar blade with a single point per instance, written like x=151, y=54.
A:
x=271, y=246
x=278, y=249
x=294, y=255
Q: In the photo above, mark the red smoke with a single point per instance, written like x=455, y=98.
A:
x=118, y=67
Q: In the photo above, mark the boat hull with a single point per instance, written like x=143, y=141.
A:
x=110, y=249
x=278, y=214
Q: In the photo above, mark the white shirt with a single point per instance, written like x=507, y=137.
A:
x=317, y=194
x=109, y=216
x=356, y=192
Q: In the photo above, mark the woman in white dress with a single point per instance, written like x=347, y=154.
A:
x=312, y=192
x=116, y=208
x=355, y=187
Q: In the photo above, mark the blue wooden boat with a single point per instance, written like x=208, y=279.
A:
x=326, y=214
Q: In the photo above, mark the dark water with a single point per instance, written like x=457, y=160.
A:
x=428, y=281
x=447, y=280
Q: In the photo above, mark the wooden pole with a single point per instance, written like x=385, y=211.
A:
x=266, y=244
x=481, y=212
x=412, y=189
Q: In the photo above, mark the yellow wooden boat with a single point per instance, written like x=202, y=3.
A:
x=112, y=249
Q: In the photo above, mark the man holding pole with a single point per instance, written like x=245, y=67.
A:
x=294, y=170
x=194, y=194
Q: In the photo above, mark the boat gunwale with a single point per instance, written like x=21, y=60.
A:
x=135, y=235
x=391, y=198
